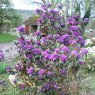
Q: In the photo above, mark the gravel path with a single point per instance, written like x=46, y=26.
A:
x=9, y=49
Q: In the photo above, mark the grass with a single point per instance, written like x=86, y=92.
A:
x=2, y=67
x=88, y=85
x=6, y=38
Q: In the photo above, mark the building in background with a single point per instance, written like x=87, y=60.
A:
x=31, y=24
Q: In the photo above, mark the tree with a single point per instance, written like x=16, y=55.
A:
x=15, y=18
x=6, y=13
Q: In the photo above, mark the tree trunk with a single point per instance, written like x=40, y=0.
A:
x=1, y=29
x=1, y=25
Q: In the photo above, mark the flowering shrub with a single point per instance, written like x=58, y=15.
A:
x=1, y=55
x=46, y=64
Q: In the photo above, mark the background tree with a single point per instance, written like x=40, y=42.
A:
x=15, y=18
x=5, y=6
x=8, y=13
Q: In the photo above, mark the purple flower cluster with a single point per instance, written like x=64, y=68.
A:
x=19, y=66
x=21, y=29
x=1, y=55
x=65, y=39
x=30, y=70
x=42, y=72
x=50, y=86
x=86, y=20
x=9, y=69
x=38, y=33
x=75, y=23
x=51, y=17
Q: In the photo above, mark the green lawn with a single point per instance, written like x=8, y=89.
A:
x=5, y=38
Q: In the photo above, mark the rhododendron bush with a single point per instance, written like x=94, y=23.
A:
x=50, y=63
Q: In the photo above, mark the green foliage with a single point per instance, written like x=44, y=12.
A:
x=2, y=67
x=8, y=13
x=16, y=20
x=5, y=38
x=85, y=36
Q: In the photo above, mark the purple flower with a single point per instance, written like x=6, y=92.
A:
x=38, y=42
x=76, y=17
x=49, y=5
x=37, y=51
x=42, y=72
x=73, y=42
x=44, y=39
x=29, y=55
x=29, y=47
x=65, y=39
x=21, y=41
x=28, y=42
x=59, y=18
x=40, y=21
x=80, y=40
x=78, y=56
x=74, y=53
x=54, y=56
x=38, y=11
x=8, y=69
x=81, y=63
x=49, y=73
x=50, y=37
x=84, y=51
x=44, y=15
x=30, y=70
x=62, y=24
x=46, y=52
x=65, y=48
x=60, y=40
x=53, y=11
x=75, y=34
x=63, y=58
x=57, y=50
x=57, y=36
x=1, y=55
x=21, y=29
x=86, y=20
x=47, y=57
x=22, y=86
x=38, y=33
x=74, y=28
x=50, y=17
x=19, y=67
x=71, y=21
x=50, y=86
x=59, y=6
x=44, y=7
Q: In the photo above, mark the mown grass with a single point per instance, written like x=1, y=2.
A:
x=6, y=38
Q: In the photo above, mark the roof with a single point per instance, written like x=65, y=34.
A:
x=31, y=20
